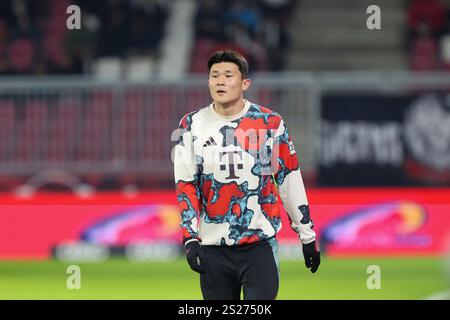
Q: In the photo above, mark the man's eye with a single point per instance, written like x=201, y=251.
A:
x=228, y=76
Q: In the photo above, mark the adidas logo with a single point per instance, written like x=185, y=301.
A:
x=210, y=142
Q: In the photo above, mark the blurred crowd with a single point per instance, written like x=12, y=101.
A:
x=34, y=38
x=429, y=35
x=258, y=29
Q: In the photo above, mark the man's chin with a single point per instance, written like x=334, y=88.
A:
x=223, y=101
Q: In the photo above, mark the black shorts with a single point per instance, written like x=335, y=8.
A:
x=252, y=268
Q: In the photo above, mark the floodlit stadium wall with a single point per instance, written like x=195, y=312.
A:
x=87, y=128
x=75, y=128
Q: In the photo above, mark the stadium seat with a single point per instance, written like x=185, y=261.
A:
x=424, y=54
x=108, y=68
x=21, y=53
x=31, y=132
x=139, y=68
x=445, y=49
x=62, y=132
x=128, y=126
x=53, y=48
x=7, y=120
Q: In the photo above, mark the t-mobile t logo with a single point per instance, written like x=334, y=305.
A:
x=231, y=163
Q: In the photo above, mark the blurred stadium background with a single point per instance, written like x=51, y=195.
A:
x=86, y=135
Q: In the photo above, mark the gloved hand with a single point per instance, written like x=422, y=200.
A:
x=312, y=256
x=195, y=256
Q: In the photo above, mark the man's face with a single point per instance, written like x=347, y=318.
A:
x=225, y=83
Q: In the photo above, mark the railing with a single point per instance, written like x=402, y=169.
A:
x=84, y=126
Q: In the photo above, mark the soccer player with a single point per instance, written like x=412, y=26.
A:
x=231, y=161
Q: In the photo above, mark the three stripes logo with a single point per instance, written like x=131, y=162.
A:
x=210, y=142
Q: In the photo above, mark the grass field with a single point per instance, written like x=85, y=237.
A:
x=119, y=279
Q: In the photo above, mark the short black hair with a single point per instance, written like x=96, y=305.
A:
x=230, y=56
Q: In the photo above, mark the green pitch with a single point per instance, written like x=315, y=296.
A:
x=119, y=279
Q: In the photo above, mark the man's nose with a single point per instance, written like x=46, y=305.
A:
x=221, y=80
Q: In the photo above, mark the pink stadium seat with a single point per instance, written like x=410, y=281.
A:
x=200, y=54
x=197, y=98
x=101, y=98
x=204, y=48
x=7, y=121
x=424, y=54
x=265, y=97
x=128, y=124
x=21, y=53
x=31, y=131
x=53, y=48
x=7, y=112
x=96, y=134
x=62, y=132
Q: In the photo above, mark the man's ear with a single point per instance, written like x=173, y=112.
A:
x=246, y=84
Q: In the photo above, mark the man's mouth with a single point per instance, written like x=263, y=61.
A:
x=221, y=91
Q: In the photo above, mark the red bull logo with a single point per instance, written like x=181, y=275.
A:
x=137, y=224
x=385, y=226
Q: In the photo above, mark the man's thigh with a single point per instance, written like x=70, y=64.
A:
x=260, y=277
x=220, y=281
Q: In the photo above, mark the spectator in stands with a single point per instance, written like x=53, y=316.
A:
x=238, y=33
x=445, y=43
x=6, y=14
x=147, y=26
x=428, y=12
x=82, y=44
x=109, y=28
x=71, y=63
x=21, y=30
x=4, y=34
x=276, y=40
x=209, y=20
x=424, y=54
x=24, y=17
x=114, y=30
x=4, y=65
x=41, y=66
x=21, y=54
x=242, y=14
x=93, y=7
x=277, y=9
x=157, y=13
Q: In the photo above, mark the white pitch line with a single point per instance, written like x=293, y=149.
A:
x=443, y=295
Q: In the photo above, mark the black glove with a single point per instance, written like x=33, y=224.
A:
x=312, y=256
x=195, y=256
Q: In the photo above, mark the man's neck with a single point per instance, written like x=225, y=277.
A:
x=229, y=110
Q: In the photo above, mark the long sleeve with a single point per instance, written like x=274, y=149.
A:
x=186, y=180
x=290, y=185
